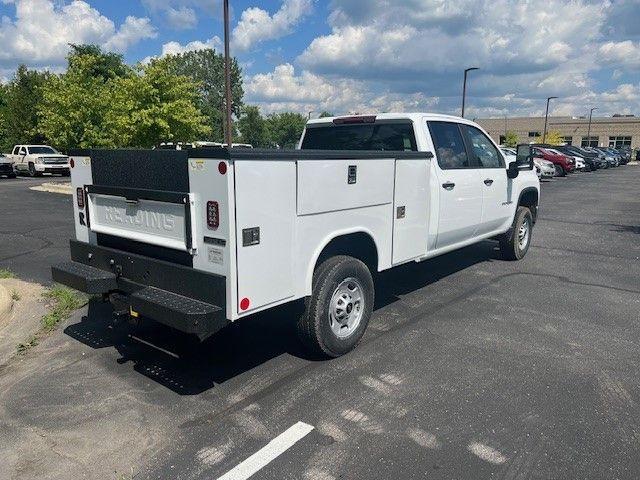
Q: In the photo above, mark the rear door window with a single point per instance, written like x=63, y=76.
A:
x=379, y=136
x=484, y=150
x=449, y=145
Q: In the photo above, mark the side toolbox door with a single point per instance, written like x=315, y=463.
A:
x=265, y=215
x=496, y=206
x=459, y=185
x=411, y=209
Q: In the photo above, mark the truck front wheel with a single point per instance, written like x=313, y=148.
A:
x=32, y=170
x=338, y=311
x=514, y=244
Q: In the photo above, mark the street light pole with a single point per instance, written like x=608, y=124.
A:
x=546, y=119
x=589, y=130
x=464, y=86
x=227, y=77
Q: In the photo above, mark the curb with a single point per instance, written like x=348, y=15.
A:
x=6, y=303
x=62, y=188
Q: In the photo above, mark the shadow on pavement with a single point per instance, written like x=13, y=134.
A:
x=189, y=367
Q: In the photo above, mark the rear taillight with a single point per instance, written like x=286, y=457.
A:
x=213, y=215
x=80, y=197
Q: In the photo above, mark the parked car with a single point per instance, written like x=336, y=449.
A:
x=6, y=167
x=618, y=156
x=247, y=230
x=625, y=151
x=606, y=161
x=562, y=163
x=590, y=164
x=34, y=160
x=546, y=168
x=578, y=161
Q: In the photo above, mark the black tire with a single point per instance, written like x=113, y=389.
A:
x=314, y=326
x=510, y=244
x=12, y=175
x=560, y=171
x=32, y=170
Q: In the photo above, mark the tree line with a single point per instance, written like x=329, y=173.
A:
x=101, y=102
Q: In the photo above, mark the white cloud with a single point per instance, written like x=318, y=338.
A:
x=625, y=54
x=131, y=32
x=182, y=18
x=174, y=48
x=282, y=89
x=42, y=30
x=256, y=25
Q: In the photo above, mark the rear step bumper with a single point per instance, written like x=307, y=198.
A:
x=180, y=297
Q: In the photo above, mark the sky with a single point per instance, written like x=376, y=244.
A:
x=348, y=56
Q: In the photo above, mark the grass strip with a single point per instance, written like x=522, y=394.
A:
x=62, y=303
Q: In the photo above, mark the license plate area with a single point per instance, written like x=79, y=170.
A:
x=147, y=216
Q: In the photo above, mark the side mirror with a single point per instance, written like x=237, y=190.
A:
x=524, y=161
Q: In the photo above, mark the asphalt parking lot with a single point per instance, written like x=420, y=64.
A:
x=472, y=367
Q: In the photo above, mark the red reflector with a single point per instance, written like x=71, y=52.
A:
x=80, y=197
x=213, y=215
x=244, y=304
x=72, y=163
x=222, y=168
x=355, y=120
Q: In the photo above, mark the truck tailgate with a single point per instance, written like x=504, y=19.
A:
x=152, y=217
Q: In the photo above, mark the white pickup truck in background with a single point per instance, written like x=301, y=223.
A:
x=34, y=160
x=196, y=239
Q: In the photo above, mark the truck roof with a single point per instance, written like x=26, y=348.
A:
x=414, y=116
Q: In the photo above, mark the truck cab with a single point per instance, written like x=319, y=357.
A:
x=470, y=194
x=35, y=160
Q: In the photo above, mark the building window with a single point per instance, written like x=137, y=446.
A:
x=534, y=134
x=590, y=141
x=567, y=140
x=618, y=142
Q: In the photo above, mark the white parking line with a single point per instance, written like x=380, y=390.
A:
x=268, y=453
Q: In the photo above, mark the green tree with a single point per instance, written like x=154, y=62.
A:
x=253, y=128
x=75, y=105
x=106, y=65
x=553, y=138
x=22, y=99
x=511, y=139
x=156, y=105
x=206, y=69
x=326, y=114
x=3, y=124
x=102, y=103
x=285, y=128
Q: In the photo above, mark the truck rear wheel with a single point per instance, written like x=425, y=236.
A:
x=514, y=244
x=338, y=311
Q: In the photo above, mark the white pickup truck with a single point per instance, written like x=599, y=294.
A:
x=201, y=238
x=34, y=160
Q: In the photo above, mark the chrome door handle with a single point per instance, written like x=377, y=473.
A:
x=488, y=182
x=448, y=185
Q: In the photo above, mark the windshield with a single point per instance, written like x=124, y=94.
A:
x=45, y=150
x=379, y=136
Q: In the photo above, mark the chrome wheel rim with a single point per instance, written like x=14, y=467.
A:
x=346, y=308
x=523, y=234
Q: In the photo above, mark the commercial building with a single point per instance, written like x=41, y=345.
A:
x=614, y=131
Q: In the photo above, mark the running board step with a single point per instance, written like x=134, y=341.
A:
x=84, y=278
x=182, y=313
